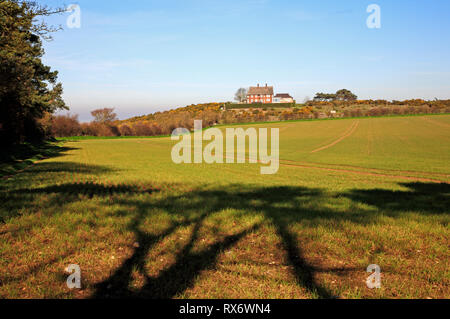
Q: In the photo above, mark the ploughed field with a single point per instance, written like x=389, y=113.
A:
x=348, y=193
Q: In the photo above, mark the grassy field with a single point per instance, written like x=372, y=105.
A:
x=349, y=193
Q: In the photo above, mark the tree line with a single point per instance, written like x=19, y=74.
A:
x=105, y=122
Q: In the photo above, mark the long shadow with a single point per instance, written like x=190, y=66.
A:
x=172, y=280
x=178, y=277
x=90, y=189
x=19, y=193
x=68, y=167
x=428, y=198
x=20, y=156
x=282, y=207
x=117, y=285
x=13, y=201
x=304, y=272
x=27, y=150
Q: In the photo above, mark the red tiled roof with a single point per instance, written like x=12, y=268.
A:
x=283, y=96
x=261, y=90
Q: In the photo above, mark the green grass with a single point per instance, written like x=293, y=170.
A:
x=140, y=226
x=15, y=159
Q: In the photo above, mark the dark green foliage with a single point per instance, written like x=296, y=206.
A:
x=231, y=106
x=28, y=88
x=341, y=95
x=345, y=95
x=325, y=97
x=16, y=158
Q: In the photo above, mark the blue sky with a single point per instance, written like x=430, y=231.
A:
x=142, y=56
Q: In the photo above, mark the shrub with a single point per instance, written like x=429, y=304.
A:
x=99, y=129
x=125, y=130
x=143, y=129
x=65, y=125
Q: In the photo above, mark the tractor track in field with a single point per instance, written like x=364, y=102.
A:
x=354, y=168
x=360, y=172
x=444, y=125
x=347, y=133
x=340, y=170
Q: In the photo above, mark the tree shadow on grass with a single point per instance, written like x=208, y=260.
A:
x=427, y=198
x=20, y=156
x=19, y=193
x=176, y=278
x=188, y=264
x=281, y=206
x=68, y=167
